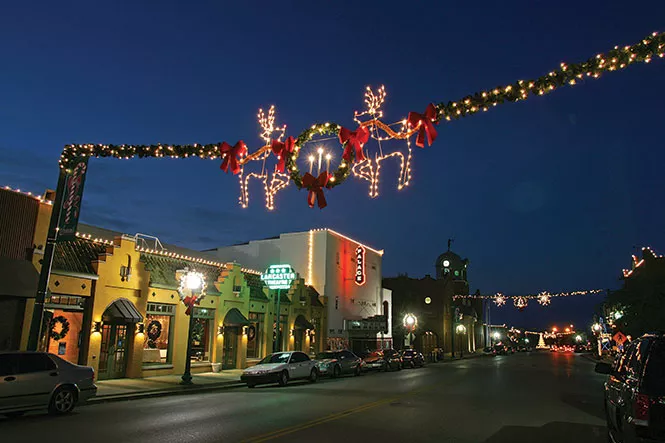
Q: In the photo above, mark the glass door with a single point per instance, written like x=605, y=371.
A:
x=113, y=351
x=230, y=347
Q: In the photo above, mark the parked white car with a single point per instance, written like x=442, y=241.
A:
x=38, y=380
x=281, y=367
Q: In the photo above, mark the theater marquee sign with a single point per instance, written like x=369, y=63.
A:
x=360, y=266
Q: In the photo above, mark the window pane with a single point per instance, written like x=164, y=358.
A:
x=201, y=334
x=28, y=363
x=64, y=335
x=157, y=346
x=255, y=335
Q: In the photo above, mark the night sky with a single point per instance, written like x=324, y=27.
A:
x=554, y=193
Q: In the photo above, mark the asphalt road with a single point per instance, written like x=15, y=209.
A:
x=538, y=397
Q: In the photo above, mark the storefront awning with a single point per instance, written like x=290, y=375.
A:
x=235, y=318
x=122, y=311
x=18, y=278
x=302, y=323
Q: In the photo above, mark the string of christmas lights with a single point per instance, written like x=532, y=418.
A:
x=544, y=298
x=353, y=142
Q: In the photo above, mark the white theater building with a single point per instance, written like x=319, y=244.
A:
x=344, y=271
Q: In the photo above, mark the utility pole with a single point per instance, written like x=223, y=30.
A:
x=47, y=262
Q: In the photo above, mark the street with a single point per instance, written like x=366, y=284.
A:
x=535, y=397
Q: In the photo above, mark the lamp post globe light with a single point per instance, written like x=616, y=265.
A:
x=578, y=338
x=191, y=291
x=461, y=330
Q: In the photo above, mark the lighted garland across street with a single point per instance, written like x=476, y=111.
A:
x=235, y=157
x=544, y=298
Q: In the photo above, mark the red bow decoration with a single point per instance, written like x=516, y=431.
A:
x=231, y=156
x=354, y=139
x=281, y=150
x=189, y=301
x=426, y=121
x=315, y=187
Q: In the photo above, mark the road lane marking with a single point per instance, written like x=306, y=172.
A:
x=331, y=417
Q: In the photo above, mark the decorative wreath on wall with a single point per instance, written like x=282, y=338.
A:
x=64, y=330
x=154, y=330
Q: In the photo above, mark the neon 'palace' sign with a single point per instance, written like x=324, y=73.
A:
x=360, y=266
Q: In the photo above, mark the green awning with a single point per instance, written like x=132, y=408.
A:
x=302, y=323
x=18, y=278
x=235, y=318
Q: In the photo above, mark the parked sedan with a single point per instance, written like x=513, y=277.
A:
x=412, y=358
x=374, y=361
x=336, y=363
x=393, y=359
x=38, y=380
x=281, y=367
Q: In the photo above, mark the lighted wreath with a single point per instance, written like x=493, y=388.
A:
x=154, y=330
x=64, y=328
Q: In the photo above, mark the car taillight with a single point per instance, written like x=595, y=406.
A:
x=642, y=404
x=93, y=375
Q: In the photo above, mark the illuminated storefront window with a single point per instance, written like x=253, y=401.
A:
x=63, y=324
x=158, y=346
x=255, y=335
x=202, y=334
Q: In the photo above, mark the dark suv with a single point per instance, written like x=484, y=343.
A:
x=635, y=391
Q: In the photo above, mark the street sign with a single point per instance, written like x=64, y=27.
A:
x=619, y=338
x=279, y=276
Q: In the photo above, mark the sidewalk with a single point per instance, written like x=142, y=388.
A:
x=131, y=388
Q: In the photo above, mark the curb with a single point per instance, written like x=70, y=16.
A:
x=163, y=393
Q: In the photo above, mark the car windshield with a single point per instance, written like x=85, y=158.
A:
x=654, y=377
x=326, y=355
x=281, y=357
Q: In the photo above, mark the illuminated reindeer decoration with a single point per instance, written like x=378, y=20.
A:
x=353, y=159
x=272, y=181
x=368, y=168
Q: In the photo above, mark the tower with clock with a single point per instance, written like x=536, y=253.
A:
x=451, y=265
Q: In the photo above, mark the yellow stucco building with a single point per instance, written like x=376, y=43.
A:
x=113, y=304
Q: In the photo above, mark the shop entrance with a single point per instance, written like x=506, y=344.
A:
x=113, y=353
x=118, y=323
x=230, y=345
x=234, y=322
x=300, y=328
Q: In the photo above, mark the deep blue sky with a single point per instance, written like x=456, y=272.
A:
x=553, y=193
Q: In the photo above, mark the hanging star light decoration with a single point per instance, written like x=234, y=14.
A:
x=544, y=298
x=499, y=299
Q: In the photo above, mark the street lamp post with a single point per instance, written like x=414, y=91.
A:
x=191, y=291
x=461, y=329
x=278, y=277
